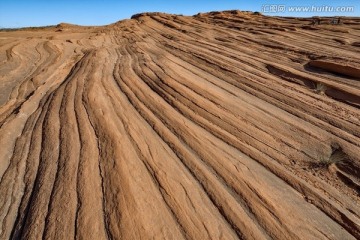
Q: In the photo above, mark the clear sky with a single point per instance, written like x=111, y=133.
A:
x=21, y=13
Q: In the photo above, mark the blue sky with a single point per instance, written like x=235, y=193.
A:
x=21, y=13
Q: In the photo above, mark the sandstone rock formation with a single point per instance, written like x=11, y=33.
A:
x=224, y=125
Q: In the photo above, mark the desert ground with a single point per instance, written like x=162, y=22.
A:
x=222, y=125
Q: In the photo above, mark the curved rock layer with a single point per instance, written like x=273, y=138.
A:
x=226, y=125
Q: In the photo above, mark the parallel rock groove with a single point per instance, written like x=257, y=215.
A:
x=224, y=125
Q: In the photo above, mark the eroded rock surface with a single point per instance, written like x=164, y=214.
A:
x=224, y=125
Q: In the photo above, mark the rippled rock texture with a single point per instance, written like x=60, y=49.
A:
x=225, y=125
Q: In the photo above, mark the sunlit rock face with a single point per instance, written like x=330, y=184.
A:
x=224, y=125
